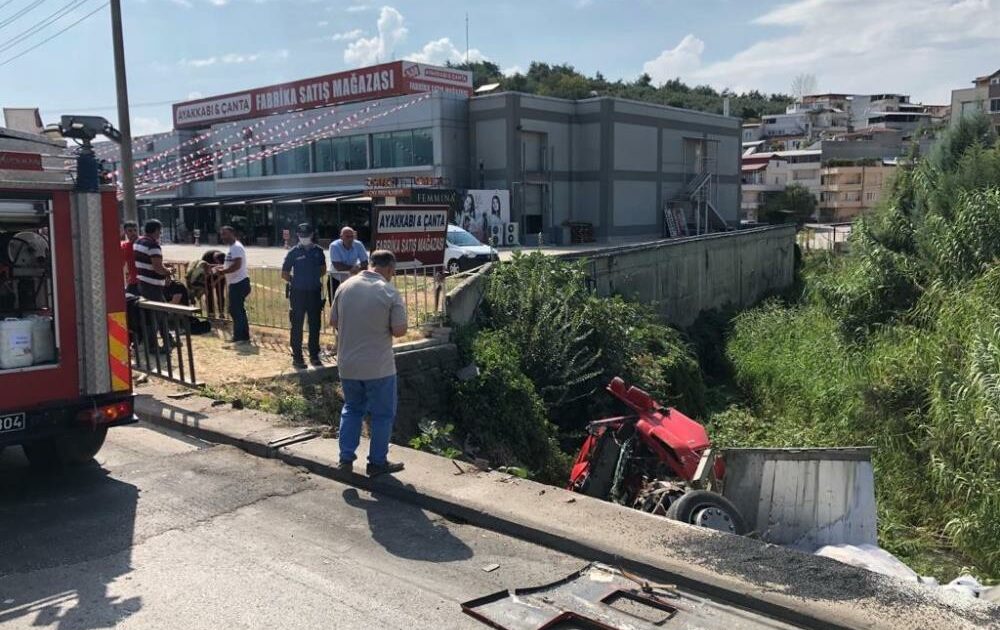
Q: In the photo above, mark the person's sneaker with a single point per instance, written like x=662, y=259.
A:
x=315, y=362
x=375, y=470
x=299, y=363
x=345, y=467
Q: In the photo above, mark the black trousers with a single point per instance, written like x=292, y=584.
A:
x=154, y=321
x=305, y=305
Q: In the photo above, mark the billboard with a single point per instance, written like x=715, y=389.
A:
x=415, y=234
x=364, y=84
x=484, y=213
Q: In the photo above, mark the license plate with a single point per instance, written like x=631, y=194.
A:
x=11, y=422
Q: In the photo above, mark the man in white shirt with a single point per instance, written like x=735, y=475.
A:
x=348, y=257
x=238, y=281
x=368, y=312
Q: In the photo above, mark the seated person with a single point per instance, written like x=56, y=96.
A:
x=199, y=282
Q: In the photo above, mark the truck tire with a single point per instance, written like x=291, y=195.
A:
x=71, y=448
x=708, y=509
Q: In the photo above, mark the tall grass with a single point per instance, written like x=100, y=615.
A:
x=898, y=347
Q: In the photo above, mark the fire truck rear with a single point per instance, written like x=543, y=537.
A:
x=64, y=347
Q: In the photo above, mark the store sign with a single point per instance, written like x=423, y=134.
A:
x=436, y=196
x=415, y=234
x=484, y=213
x=16, y=161
x=381, y=81
x=376, y=184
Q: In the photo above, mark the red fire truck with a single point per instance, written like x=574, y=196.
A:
x=65, y=375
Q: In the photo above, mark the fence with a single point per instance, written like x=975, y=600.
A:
x=162, y=340
x=832, y=237
x=422, y=288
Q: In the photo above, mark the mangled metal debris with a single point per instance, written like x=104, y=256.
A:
x=602, y=597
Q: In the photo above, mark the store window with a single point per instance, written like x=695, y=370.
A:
x=27, y=300
x=323, y=159
x=292, y=161
x=351, y=153
x=402, y=149
x=423, y=147
x=255, y=164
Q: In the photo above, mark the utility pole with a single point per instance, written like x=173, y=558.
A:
x=124, y=124
x=466, y=38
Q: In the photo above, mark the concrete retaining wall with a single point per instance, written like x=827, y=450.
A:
x=425, y=377
x=462, y=302
x=681, y=278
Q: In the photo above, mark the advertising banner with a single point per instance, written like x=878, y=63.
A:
x=484, y=213
x=415, y=234
x=365, y=84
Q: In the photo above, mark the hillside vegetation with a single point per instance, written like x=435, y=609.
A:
x=564, y=81
x=897, y=346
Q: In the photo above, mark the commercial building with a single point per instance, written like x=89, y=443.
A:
x=326, y=149
x=982, y=97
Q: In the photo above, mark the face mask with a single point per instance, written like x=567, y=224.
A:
x=305, y=241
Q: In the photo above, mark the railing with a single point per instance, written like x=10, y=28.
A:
x=162, y=340
x=422, y=288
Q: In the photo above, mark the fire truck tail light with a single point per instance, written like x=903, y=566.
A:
x=107, y=413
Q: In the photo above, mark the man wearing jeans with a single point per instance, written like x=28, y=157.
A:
x=238, y=281
x=368, y=312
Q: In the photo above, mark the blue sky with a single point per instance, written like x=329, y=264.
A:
x=188, y=48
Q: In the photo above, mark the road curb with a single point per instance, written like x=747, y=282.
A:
x=660, y=550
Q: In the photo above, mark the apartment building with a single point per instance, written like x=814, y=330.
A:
x=982, y=97
x=765, y=174
x=848, y=189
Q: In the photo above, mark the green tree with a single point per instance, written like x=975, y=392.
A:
x=795, y=204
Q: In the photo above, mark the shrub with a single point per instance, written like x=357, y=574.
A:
x=501, y=411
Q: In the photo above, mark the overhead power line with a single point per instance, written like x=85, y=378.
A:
x=51, y=37
x=20, y=13
x=51, y=19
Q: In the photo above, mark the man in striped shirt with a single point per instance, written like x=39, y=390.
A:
x=152, y=275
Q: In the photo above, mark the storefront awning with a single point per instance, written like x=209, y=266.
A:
x=357, y=198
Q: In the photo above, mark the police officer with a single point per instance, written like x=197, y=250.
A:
x=303, y=269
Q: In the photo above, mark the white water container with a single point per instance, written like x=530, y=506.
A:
x=15, y=343
x=43, y=339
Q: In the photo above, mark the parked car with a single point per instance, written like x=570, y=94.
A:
x=465, y=252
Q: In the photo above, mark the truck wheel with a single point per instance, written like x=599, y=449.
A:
x=73, y=447
x=708, y=509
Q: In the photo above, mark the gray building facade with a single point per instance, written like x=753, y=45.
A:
x=613, y=163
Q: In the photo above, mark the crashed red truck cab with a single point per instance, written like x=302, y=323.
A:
x=656, y=460
x=65, y=375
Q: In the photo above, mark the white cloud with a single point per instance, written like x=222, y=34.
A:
x=678, y=61
x=144, y=126
x=347, y=36
x=392, y=32
x=912, y=46
x=442, y=50
x=183, y=3
x=322, y=23
x=358, y=8
x=380, y=47
x=511, y=71
x=235, y=58
x=195, y=95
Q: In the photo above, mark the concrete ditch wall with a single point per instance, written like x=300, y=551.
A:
x=681, y=278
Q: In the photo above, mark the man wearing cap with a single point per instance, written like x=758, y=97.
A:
x=303, y=269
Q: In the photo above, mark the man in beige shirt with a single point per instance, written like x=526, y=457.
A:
x=368, y=312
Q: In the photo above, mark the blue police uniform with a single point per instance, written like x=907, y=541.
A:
x=305, y=263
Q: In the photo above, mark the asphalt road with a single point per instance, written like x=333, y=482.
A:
x=169, y=533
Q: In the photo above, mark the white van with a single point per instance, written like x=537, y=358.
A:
x=464, y=251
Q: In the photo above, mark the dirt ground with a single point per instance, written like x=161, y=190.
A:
x=218, y=361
